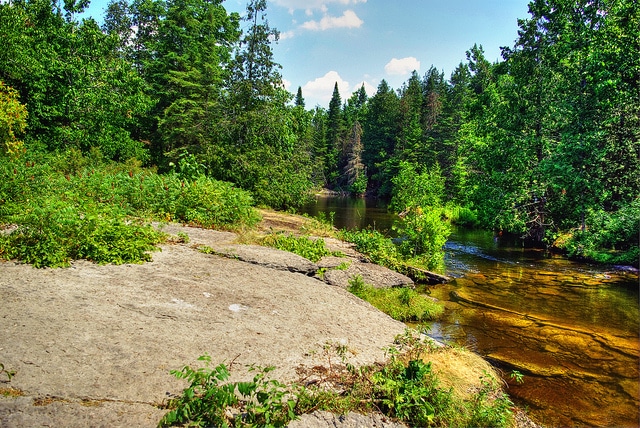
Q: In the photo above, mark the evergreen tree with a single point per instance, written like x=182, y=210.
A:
x=335, y=134
x=299, y=101
x=410, y=146
x=380, y=131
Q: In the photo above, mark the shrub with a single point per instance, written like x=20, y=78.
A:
x=53, y=232
x=424, y=233
x=207, y=401
x=610, y=237
x=311, y=249
x=64, y=209
x=380, y=249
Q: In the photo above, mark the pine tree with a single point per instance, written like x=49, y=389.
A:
x=299, y=101
x=380, y=132
x=335, y=134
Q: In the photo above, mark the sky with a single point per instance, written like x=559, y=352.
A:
x=352, y=42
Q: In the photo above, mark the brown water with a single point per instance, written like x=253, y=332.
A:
x=572, y=329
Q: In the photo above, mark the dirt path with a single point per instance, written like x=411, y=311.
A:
x=93, y=345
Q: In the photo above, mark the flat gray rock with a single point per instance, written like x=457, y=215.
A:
x=93, y=345
x=375, y=275
x=271, y=258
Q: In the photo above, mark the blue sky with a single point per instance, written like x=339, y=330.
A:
x=364, y=41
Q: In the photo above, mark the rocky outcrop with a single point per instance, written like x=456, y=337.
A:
x=271, y=258
x=378, y=276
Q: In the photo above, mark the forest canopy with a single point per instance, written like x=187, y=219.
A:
x=543, y=143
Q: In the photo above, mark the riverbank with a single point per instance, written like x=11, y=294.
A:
x=93, y=345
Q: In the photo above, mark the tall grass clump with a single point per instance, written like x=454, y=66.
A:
x=402, y=304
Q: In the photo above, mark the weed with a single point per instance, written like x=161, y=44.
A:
x=517, y=376
x=205, y=249
x=406, y=388
x=343, y=266
x=9, y=373
x=210, y=399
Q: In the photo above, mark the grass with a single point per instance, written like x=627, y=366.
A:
x=402, y=304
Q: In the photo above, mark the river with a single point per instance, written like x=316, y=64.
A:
x=572, y=329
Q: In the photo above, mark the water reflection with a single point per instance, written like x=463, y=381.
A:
x=352, y=213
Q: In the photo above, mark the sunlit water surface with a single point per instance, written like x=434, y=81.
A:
x=572, y=329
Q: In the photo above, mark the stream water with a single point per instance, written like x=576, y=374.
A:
x=572, y=329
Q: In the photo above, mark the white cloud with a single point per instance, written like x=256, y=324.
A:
x=286, y=83
x=399, y=67
x=368, y=87
x=349, y=19
x=310, y=5
x=321, y=89
x=287, y=35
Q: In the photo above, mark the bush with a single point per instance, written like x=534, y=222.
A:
x=53, y=232
x=66, y=207
x=424, y=233
x=311, y=249
x=380, y=249
x=609, y=237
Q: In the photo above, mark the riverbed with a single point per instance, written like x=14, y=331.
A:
x=572, y=329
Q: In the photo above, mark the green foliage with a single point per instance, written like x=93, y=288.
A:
x=402, y=304
x=490, y=407
x=423, y=229
x=9, y=373
x=380, y=249
x=91, y=212
x=188, y=167
x=608, y=237
x=78, y=92
x=405, y=388
x=410, y=393
x=312, y=249
x=461, y=216
x=52, y=232
x=517, y=376
x=424, y=234
x=413, y=189
x=208, y=399
x=205, y=401
x=13, y=121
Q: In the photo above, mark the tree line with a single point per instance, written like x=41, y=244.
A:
x=542, y=142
